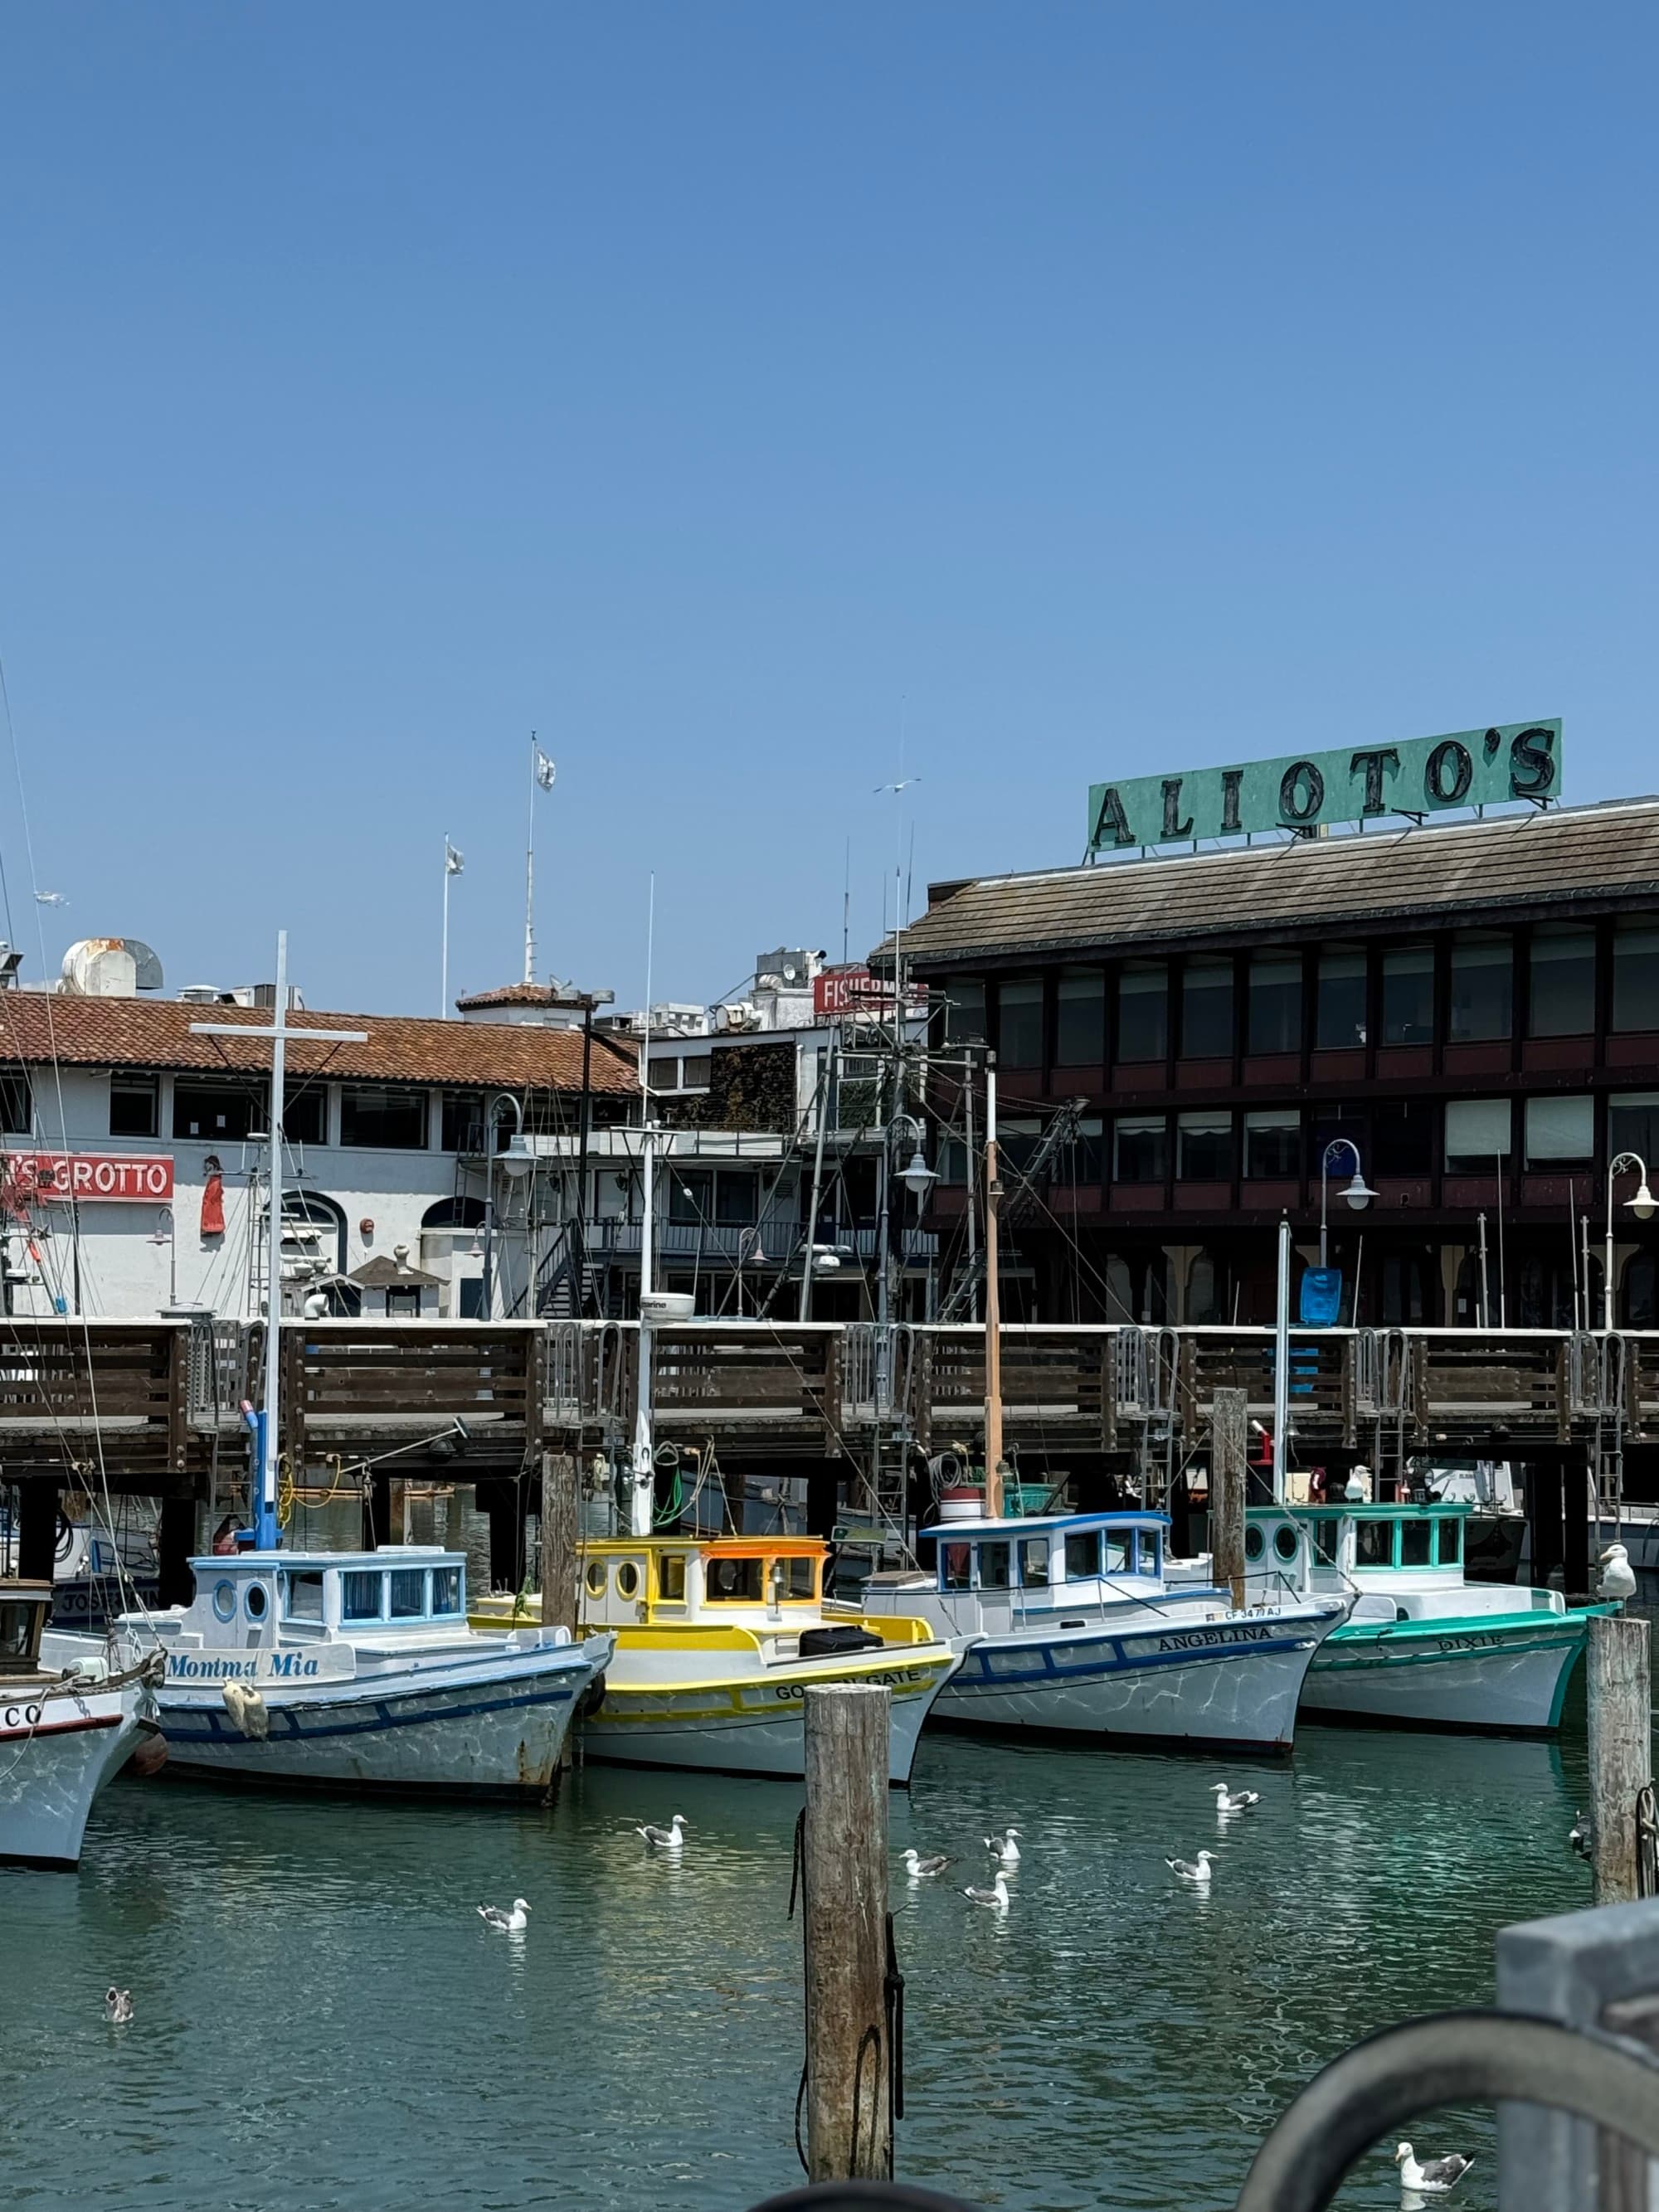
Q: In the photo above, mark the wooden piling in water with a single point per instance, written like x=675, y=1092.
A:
x=1230, y=1451
x=1620, y=1700
x=849, y=2120
x=560, y=1485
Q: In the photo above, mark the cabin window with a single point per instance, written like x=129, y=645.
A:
x=597, y=1576
x=1083, y=1555
x=1033, y=1561
x=224, y=1601
x=303, y=1597
x=1285, y=1541
x=1375, y=1547
x=446, y=1591
x=733, y=1582
x=407, y=1593
x=993, y=1566
x=671, y=1577
x=360, y=1594
x=1116, y=1553
x=801, y=1583
x=627, y=1579
x=20, y=1634
x=1416, y=1538
x=1254, y=1543
x=1149, y=1550
x=1451, y=1542
x=956, y=1567
x=1326, y=1540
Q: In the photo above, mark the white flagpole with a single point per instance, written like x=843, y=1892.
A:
x=443, y=985
x=529, y=875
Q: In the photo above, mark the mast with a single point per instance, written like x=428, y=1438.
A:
x=530, y=873
x=993, y=1305
x=641, y=1497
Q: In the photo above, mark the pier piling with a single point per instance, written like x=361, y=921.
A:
x=1620, y=1700
x=1230, y=1441
x=849, y=2120
x=559, y=1513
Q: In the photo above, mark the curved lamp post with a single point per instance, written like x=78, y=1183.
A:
x=1642, y=1205
x=1359, y=1192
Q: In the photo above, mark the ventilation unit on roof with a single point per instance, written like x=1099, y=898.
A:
x=199, y=995
x=109, y=968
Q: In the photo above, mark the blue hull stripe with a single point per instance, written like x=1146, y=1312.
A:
x=981, y=1676
x=383, y=1717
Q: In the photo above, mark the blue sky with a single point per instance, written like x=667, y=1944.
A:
x=747, y=396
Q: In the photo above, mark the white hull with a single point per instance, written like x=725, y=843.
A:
x=1460, y=1676
x=56, y=1754
x=1636, y=1530
x=1226, y=1683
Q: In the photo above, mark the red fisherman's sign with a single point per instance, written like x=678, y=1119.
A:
x=32, y=1177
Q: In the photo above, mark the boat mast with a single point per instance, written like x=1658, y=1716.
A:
x=993, y=1305
x=641, y=1491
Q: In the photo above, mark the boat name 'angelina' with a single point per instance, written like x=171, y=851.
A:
x=1195, y=1639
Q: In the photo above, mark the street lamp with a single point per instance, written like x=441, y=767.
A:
x=1642, y=1205
x=517, y=1160
x=1359, y=1192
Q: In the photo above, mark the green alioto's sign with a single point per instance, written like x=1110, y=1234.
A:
x=1420, y=776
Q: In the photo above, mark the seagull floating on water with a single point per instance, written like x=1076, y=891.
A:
x=1006, y=1849
x=1196, y=1871
x=664, y=1839
x=118, y=2006
x=996, y=1897
x=1234, y=1801
x=919, y=1868
x=1618, y=1578
x=1436, y=2176
x=506, y=1924
x=1579, y=1839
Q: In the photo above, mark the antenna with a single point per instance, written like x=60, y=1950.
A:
x=846, y=904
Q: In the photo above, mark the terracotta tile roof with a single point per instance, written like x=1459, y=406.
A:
x=34, y=1025
x=1581, y=856
x=514, y=994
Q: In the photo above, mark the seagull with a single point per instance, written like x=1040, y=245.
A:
x=664, y=1839
x=996, y=1897
x=1579, y=1839
x=1234, y=1801
x=506, y=1924
x=1006, y=1850
x=1196, y=1871
x=1435, y=2179
x=1617, y=1580
x=118, y=2006
x=920, y=1868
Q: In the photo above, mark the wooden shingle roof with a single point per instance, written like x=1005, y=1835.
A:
x=1510, y=865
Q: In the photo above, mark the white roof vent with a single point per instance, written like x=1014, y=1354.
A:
x=109, y=968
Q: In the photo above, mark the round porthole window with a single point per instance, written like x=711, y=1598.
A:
x=628, y=1579
x=1252, y=1543
x=224, y=1601
x=596, y=1577
x=255, y=1600
x=1285, y=1541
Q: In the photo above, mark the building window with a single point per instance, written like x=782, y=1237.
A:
x=1140, y=1149
x=135, y=1105
x=1402, y=1137
x=964, y=1010
x=1204, y=1147
x=222, y=1111
x=1143, y=1019
x=1479, y=1133
x=1561, y=1132
x=383, y=1119
x=1272, y=1145
x=1482, y=986
x=697, y=1071
x=16, y=1106
x=1635, y=976
x=1274, y=1013
x=1339, y=1015
x=734, y=1199
x=1633, y=1125
x=1080, y=1017
x=1408, y=995
x=1019, y=1023
x=462, y=1128
x=1206, y=1010
x=1206, y=1301
x=305, y=1112
x=690, y=1196
x=1563, y=997
x=1083, y=1160
x=1405, y=1302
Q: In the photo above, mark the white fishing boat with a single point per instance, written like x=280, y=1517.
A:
x=358, y=1670
x=1068, y=1628
x=69, y=1722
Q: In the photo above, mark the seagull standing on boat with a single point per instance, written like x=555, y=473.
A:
x=1234, y=1801
x=921, y=1870
x=996, y=1897
x=664, y=1839
x=118, y=2006
x=1196, y=1871
x=1006, y=1850
x=1435, y=2175
x=506, y=1924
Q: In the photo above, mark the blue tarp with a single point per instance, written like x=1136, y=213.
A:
x=1322, y=1297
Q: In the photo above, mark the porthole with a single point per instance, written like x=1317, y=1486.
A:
x=628, y=1579
x=596, y=1577
x=1253, y=1543
x=255, y=1600
x=224, y=1601
x=1285, y=1541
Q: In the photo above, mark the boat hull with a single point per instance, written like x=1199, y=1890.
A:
x=1222, y=1684
x=1493, y=1676
x=53, y=1765
x=497, y=1732
x=753, y=1724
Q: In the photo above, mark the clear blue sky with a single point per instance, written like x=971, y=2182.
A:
x=735, y=392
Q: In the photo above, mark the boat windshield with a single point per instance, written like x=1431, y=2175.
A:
x=734, y=1581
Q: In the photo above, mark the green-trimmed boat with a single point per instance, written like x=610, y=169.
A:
x=1421, y=1648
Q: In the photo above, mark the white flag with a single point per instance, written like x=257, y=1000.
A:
x=453, y=862
x=545, y=770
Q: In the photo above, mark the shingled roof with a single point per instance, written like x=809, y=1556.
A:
x=40, y=1026
x=1508, y=864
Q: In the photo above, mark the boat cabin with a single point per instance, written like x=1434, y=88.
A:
x=721, y=1582
x=257, y=1599
x=23, y=1609
x=1397, y=1562
x=1055, y=1559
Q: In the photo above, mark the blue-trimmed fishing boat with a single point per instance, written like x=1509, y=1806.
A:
x=1068, y=1628
x=358, y=1670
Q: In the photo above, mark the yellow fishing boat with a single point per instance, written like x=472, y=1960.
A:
x=717, y=1639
